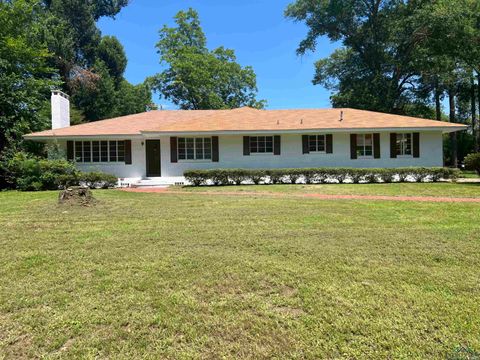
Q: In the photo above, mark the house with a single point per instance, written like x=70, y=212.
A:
x=163, y=144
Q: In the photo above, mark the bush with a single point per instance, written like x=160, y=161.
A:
x=316, y=175
x=472, y=162
x=196, y=177
x=237, y=176
x=275, y=175
x=97, y=179
x=28, y=173
x=256, y=176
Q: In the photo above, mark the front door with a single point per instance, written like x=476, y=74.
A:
x=152, y=149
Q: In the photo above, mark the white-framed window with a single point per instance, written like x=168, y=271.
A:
x=316, y=143
x=99, y=151
x=364, y=145
x=194, y=148
x=404, y=144
x=261, y=144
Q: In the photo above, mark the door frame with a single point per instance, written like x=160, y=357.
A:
x=147, y=173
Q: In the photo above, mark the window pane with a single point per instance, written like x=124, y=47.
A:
x=78, y=151
x=368, y=139
x=182, y=152
x=269, y=144
x=199, y=148
x=190, y=148
x=360, y=140
x=104, y=151
x=261, y=144
x=321, y=143
x=207, y=146
x=87, y=152
x=95, y=151
x=398, y=144
x=121, y=151
x=113, y=150
x=408, y=144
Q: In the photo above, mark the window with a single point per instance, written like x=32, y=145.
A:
x=195, y=148
x=99, y=151
x=316, y=143
x=365, y=145
x=261, y=144
x=404, y=144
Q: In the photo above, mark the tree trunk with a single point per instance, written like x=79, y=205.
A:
x=453, y=135
x=473, y=102
x=477, y=135
x=438, y=106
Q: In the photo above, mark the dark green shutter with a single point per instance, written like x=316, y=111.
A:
x=215, y=155
x=376, y=146
x=70, y=150
x=173, y=149
x=353, y=146
x=246, y=145
x=416, y=145
x=128, y=152
x=276, y=145
x=393, y=145
x=329, y=143
x=305, y=147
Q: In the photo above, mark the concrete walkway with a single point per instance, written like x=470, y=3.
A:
x=164, y=190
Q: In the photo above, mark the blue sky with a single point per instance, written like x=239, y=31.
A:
x=256, y=29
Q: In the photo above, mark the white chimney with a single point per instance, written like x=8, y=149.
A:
x=60, y=110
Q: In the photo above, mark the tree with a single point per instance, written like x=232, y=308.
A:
x=375, y=68
x=25, y=77
x=397, y=56
x=111, y=52
x=197, y=78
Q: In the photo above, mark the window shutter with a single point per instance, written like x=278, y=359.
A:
x=246, y=145
x=305, y=147
x=70, y=150
x=376, y=146
x=276, y=145
x=353, y=146
x=393, y=145
x=173, y=149
x=128, y=152
x=416, y=145
x=329, y=143
x=215, y=155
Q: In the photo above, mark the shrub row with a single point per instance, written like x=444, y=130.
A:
x=316, y=175
x=27, y=173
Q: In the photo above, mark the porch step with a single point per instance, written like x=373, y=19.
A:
x=159, y=182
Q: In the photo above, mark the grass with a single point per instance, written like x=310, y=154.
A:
x=394, y=189
x=468, y=174
x=175, y=276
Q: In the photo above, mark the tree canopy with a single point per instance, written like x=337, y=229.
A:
x=196, y=77
x=397, y=56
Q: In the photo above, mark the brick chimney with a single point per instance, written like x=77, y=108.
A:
x=60, y=110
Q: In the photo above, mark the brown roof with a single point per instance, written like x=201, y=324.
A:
x=246, y=119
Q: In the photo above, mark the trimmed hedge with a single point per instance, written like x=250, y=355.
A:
x=317, y=175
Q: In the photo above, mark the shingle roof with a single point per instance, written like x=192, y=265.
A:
x=246, y=119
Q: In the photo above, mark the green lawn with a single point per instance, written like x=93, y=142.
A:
x=394, y=189
x=469, y=174
x=195, y=276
